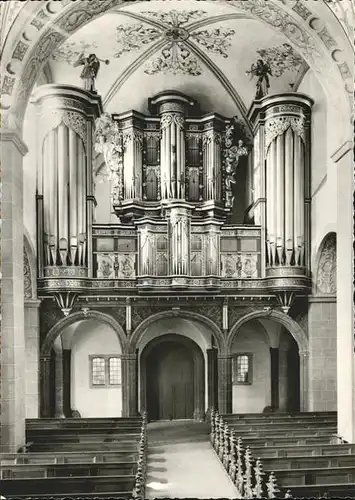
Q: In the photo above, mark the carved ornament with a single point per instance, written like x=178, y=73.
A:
x=27, y=276
x=278, y=125
x=326, y=275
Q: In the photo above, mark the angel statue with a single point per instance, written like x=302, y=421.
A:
x=262, y=70
x=90, y=70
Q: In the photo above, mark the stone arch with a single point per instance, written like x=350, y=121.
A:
x=297, y=333
x=57, y=21
x=199, y=370
x=139, y=331
x=290, y=324
x=79, y=316
x=325, y=267
x=29, y=268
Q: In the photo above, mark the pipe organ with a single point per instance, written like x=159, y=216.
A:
x=281, y=188
x=66, y=117
x=172, y=177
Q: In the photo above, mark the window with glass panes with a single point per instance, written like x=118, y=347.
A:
x=105, y=370
x=242, y=368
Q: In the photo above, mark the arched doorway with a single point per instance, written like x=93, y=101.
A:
x=172, y=378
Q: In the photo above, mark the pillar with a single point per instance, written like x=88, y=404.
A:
x=65, y=201
x=129, y=385
x=59, y=386
x=45, y=387
x=12, y=355
x=225, y=383
x=304, y=380
x=32, y=357
x=283, y=381
x=274, y=357
x=67, y=382
x=212, y=377
x=343, y=158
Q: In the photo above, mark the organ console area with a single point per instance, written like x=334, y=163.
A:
x=174, y=180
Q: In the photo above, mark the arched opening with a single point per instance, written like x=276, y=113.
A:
x=269, y=363
x=172, y=371
x=265, y=368
x=81, y=369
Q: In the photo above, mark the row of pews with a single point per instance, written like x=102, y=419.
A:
x=284, y=456
x=93, y=457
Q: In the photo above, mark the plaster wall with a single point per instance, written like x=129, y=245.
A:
x=254, y=397
x=93, y=337
x=322, y=328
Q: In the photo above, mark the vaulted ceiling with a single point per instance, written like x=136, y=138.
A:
x=201, y=48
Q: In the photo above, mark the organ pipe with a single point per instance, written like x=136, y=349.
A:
x=66, y=121
x=285, y=141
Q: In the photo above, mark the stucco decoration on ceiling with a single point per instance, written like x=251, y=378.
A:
x=281, y=58
x=70, y=51
x=134, y=37
x=326, y=276
x=174, y=28
x=47, y=26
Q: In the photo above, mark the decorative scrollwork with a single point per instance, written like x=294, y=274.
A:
x=109, y=141
x=27, y=276
x=278, y=125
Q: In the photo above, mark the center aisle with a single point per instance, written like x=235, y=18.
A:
x=182, y=463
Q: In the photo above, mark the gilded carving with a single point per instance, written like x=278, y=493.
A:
x=27, y=276
x=116, y=265
x=326, y=275
x=278, y=125
x=108, y=140
x=239, y=265
x=74, y=121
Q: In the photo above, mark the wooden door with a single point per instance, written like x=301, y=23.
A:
x=170, y=382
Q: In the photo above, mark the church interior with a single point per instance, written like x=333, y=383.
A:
x=177, y=249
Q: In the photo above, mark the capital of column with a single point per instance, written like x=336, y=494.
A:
x=303, y=354
x=14, y=137
x=128, y=357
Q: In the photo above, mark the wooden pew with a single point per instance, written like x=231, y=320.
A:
x=319, y=491
x=69, y=485
x=80, y=423
x=298, y=476
x=255, y=432
x=69, y=457
x=22, y=471
x=303, y=450
x=307, y=462
x=283, y=440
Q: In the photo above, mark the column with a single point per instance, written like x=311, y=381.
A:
x=343, y=157
x=67, y=382
x=212, y=377
x=274, y=356
x=12, y=353
x=225, y=383
x=45, y=387
x=32, y=357
x=283, y=381
x=304, y=371
x=59, y=386
x=129, y=385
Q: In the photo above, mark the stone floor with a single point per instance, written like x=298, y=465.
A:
x=182, y=463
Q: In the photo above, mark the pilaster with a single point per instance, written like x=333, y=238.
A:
x=225, y=383
x=129, y=385
x=12, y=356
